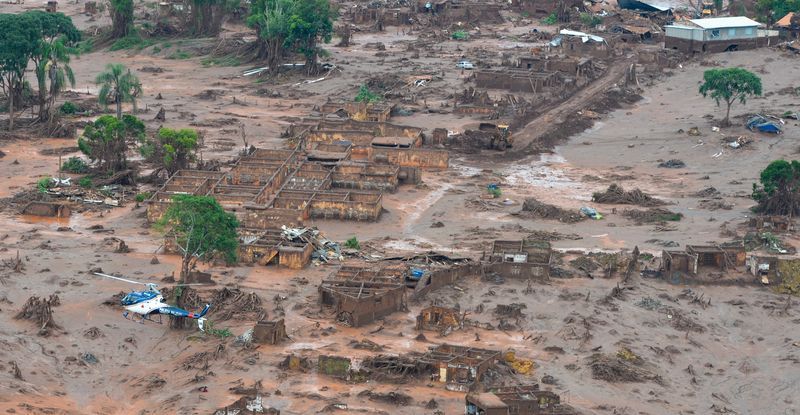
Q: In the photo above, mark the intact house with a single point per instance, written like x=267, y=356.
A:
x=789, y=26
x=720, y=34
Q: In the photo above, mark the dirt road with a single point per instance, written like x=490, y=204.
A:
x=552, y=119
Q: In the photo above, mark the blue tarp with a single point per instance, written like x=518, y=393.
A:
x=763, y=125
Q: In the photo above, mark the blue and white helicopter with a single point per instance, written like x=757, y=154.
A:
x=151, y=302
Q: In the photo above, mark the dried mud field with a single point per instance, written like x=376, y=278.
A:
x=606, y=346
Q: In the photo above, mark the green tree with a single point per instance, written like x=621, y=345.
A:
x=270, y=18
x=19, y=40
x=779, y=193
x=291, y=25
x=730, y=85
x=202, y=231
x=365, y=95
x=310, y=22
x=770, y=11
x=118, y=85
x=106, y=140
x=121, y=12
x=172, y=149
x=51, y=58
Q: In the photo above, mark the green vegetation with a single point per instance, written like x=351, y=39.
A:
x=365, y=95
x=44, y=40
x=591, y=20
x=171, y=149
x=460, y=35
x=669, y=217
x=106, y=140
x=44, y=183
x=291, y=26
x=75, y=165
x=202, y=231
x=221, y=333
x=769, y=11
x=85, y=182
x=779, y=192
x=180, y=55
x=730, y=85
x=118, y=83
x=132, y=41
x=121, y=18
x=352, y=243
x=141, y=197
x=68, y=108
x=494, y=191
x=551, y=19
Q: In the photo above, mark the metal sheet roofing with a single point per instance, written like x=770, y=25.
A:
x=725, y=22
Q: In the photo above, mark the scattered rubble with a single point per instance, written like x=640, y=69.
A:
x=615, y=194
x=534, y=208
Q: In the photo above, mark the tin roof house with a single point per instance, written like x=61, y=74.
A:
x=719, y=34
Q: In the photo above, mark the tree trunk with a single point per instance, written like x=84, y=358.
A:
x=726, y=122
x=180, y=322
x=11, y=109
x=119, y=106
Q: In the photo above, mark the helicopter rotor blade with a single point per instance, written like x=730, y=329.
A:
x=119, y=278
x=194, y=283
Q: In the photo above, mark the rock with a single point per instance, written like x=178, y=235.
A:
x=154, y=261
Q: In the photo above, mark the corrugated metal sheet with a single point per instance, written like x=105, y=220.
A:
x=725, y=22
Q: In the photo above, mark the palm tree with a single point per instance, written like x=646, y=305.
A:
x=119, y=85
x=53, y=66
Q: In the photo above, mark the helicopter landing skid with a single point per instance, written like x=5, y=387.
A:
x=142, y=319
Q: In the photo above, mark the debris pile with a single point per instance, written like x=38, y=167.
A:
x=237, y=304
x=40, y=311
x=620, y=368
x=615, y=194
x=15, y=264
x=534, y=208
x=655, y=215
x=394, y=398
x=324, y=249
x=672, y=164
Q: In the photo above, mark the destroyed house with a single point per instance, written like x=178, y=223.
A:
x=358, y=297
x=439, y=319
x=270, y=332
x=578, y=67
x=719, y=34
x=516, y=400
x=265, y=246
x=460, y=367
x=694, y=258
x=379, y=143
x=527, y=259
x=772, y=223
x=517, y=80
x=360, y=111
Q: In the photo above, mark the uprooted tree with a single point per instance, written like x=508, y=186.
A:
x=118, y=84
x=201, y=231
x=779, y=193
x=106, y=140
x=171, y=149
x=730, y=85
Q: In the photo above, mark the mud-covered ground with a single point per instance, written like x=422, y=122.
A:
x=737, y=354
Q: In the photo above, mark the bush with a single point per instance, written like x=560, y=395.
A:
x=179, y=54
x=44, y=183
x=68, y=108
x=365, y=95
x=550, y=20
x=75, y=165
x=590, y=20
x=460, y=35
x=352, y=243
x=133, y=41
x=85, y=182
x=141, y=197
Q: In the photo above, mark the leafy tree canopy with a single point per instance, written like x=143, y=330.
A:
x=779, y=193
x=172, y=149
x=730, y=85
x=201, y=229
x=106, y=140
